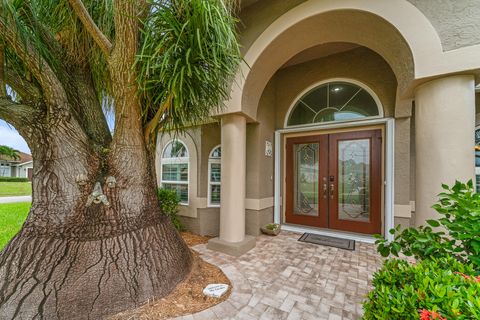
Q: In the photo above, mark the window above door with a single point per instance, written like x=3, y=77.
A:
x=334, y=101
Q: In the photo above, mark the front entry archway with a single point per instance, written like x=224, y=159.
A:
x=333, y=181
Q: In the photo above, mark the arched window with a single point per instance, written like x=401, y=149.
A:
x=174, y=169
x=334, y=101
x=214, y=176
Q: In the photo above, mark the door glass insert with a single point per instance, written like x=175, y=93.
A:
x=354, y=180
x=306, y=179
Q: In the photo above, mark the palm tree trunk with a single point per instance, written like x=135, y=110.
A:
x=77, y=259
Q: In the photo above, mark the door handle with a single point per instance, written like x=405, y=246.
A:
x=332, y=189
x=325, y=189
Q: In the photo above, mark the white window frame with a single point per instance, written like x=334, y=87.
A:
x=213, y=160
x=389, y=181
x=326, y=81
x=179, y=160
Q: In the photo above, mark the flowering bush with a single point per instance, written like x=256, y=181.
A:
x=431, y=289
x=430, y=315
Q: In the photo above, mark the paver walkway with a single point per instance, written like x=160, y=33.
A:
x=16, y=199
x=285, y=279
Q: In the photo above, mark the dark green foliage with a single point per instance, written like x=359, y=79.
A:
x=272, y=226
x=459, y=207
x=13, y=179
x=169, y=205
x=37, y=22
x=189, y=56
x=443, y=285
x=9, y=153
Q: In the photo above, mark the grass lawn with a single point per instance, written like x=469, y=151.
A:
x=8, y=189
x=12, y=216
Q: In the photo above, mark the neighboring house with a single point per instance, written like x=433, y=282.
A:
x=22, y=167
x=345, y=119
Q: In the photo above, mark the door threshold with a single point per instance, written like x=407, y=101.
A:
x=332, y=233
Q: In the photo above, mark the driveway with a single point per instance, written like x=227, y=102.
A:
x=16, y=199
x=285, y=279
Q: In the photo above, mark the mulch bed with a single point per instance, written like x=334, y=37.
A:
x=188, y=297
x=193, y=239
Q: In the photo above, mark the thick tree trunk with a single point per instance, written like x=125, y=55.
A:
x=75, y=260
x=94, y=242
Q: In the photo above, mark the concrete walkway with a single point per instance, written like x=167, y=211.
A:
x=285, y=279
x=16, y=199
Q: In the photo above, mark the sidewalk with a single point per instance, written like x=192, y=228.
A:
x=16, y=199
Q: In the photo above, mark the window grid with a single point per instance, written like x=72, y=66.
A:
x=175, y=171
x=214, y=177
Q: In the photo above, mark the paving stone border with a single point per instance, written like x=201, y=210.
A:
x=285, y=279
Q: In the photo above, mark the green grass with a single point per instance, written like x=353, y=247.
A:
x=9, y=189
x=12, y=216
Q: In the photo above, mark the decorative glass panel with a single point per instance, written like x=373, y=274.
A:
x=175, y=149
x=175, y=172
x=354, y=180
x=181, y=189
x=216, y=153
x=306, y=179
x=334, y=101
x=215, y=172
x=215, y=194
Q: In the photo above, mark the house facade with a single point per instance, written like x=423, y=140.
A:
x=21, y=167
x=344, y=119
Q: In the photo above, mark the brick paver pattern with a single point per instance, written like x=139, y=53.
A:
x=282, y=278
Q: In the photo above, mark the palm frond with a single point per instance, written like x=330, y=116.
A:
x=190, y=53
x=9, y=152
x=38, y=21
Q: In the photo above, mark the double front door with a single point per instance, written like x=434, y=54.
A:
x=334, y=181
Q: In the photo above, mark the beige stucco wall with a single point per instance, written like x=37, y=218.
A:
x=456, y=22
x=256, y=18
x=210, y=138
x=359, y=64
x=259, y=166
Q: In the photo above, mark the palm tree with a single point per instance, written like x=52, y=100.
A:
x=95, y=241
x=9, y=153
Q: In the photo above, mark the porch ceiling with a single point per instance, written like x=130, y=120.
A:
x=319, y=51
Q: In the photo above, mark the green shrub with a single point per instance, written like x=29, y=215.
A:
x=403, y=291
x=13, y=179
x=459, y=208
x=169, y=205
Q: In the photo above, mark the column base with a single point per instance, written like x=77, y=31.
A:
x=232, y=248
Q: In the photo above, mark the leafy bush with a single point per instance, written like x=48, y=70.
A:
x=459, y=207
x=444, y=287
x=169, y=205
x=13, y=179
x=272, y=226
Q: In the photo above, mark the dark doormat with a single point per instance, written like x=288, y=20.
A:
x=328, y=241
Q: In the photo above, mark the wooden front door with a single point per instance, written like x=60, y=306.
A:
x=334, y=181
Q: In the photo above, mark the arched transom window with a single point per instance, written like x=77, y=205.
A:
x=214, y=176
x=174, y=169
x=334, y=101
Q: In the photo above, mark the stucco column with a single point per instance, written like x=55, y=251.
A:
x=232, y=239
x=232, y=199
x=444, y=138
